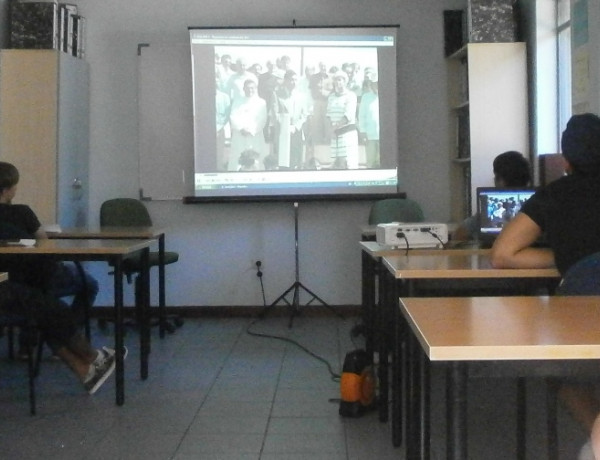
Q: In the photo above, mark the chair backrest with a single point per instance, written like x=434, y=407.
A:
x=395, y=210
x=582, y=278
x=124, y=212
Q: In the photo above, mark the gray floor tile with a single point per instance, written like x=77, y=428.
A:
x=216, y=392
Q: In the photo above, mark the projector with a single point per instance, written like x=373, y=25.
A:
x=407, y=235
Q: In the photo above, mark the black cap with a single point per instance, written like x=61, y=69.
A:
x=581, y=141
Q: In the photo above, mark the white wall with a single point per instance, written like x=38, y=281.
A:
x=218, y=243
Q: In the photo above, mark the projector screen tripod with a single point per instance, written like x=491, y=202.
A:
x=295, y=288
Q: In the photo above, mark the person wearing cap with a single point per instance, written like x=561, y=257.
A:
x=341, y=111
x=567, y=212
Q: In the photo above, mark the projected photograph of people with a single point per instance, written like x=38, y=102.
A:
x=295, y=111
x=296, y=108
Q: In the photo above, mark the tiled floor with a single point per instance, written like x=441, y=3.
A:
x=216, y=392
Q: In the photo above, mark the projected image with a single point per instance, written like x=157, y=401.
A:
x=273, y=112
x=295, y=111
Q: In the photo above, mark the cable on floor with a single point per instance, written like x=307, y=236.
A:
x=334, y=376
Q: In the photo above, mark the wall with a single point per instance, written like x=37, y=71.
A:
x=218, y=243
x=3, y=23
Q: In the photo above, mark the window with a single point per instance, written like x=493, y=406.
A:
x=563, y=31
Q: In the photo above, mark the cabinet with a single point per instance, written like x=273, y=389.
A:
x=487, y=89
x=44, y=131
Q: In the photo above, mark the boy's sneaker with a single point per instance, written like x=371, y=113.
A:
x=101, y=372
x=103, y=369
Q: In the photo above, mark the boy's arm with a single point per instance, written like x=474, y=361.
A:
x=512, y=248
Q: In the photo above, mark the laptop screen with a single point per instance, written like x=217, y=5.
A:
x=497, y=206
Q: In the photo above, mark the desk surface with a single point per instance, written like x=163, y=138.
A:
x=78, y=247
x=375, y=249
x=505, y=328
x=456, y=263
x=107, y=232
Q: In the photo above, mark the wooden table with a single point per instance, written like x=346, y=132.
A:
x=371, y=256
x=111, y=232
x=461, y=331
x=113, y=251
x=373, y=281
x=401, y=274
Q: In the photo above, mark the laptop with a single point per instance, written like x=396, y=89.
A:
x=496, y=207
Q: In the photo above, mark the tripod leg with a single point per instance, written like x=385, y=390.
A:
x=295, y=304
x=316, y=297
x=265, y=310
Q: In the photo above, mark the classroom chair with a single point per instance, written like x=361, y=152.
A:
x=582, y=279
x=130, y=212
x=395, y=210
x=8, y=323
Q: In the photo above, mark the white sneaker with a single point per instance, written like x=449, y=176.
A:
x=101, y=373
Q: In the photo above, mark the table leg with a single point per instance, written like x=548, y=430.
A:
x=162, y=308
x=412, y=398
x=551, y=422
x=456, y=406
x=382, y=343
x=425, y=404
x=398, y=366
x=120, y=369
x=521, y=417
x=144, y=314
x=88, y=307
x=368, y=302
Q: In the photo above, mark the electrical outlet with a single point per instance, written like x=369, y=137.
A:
x=259, y=268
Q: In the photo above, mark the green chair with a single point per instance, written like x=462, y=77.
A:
x=129, y=212
x=395, y=210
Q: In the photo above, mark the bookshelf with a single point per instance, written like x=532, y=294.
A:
x=488, y=114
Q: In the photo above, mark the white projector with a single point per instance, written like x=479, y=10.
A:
x=407, y=235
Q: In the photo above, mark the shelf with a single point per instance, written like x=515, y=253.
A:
x=459, y=54
x=462, y=106
x=462, y=161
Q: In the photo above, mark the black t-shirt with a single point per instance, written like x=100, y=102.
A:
x=568, y=212
x=19, y=221
x=18, y=218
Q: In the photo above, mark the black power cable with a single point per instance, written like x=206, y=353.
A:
x=334, y=376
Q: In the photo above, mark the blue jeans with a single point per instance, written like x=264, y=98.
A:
x=67, y=281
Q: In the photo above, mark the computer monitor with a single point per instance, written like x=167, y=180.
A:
x=496, y=207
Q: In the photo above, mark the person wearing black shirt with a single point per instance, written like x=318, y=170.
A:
x=566, y=211
x=31, y=291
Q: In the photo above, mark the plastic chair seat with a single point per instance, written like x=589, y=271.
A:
x=133, y=265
